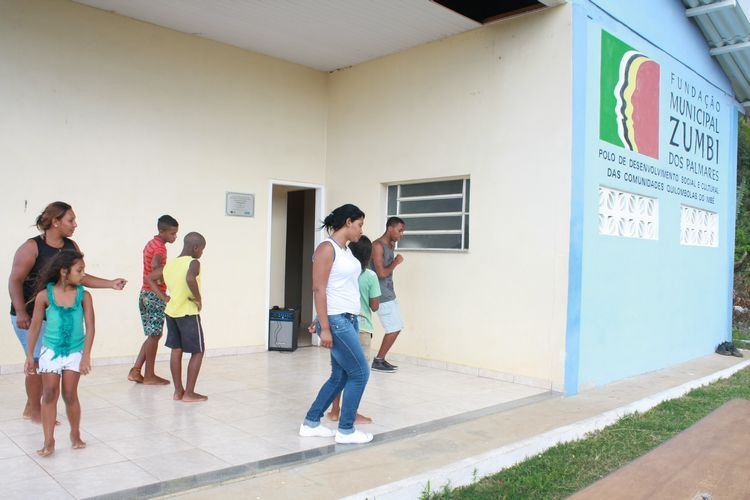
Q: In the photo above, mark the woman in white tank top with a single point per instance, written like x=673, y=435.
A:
x=336, y=295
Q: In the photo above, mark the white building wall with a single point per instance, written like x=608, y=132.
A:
x=493, y=104
x=127, y=121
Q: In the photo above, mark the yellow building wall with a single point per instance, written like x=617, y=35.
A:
x=493, y=104
x=127, y=121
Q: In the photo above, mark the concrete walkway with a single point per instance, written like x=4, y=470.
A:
x=396, y=469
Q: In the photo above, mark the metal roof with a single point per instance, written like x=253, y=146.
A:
x=726, y=28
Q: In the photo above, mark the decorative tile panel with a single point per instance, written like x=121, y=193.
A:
x=628, y=215
x=698, y=227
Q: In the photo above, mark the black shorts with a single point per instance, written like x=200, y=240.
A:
x=185, y=333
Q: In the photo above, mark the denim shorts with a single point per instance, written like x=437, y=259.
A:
x=389, y=314
x=23, y=335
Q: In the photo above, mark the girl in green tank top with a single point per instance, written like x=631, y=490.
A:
x=66, y=351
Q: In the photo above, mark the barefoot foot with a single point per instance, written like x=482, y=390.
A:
x=361, y=419
x=49, y=449
x=78, y=443
x=134, y=375
x=155, y=380
x=193, y=397
x=333, y=416
x=178, y=395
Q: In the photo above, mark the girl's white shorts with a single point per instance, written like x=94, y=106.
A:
x=48, y=365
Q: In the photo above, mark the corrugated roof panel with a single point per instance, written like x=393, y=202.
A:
x=726, y=26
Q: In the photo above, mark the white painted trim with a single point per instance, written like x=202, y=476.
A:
x=432, y=197
x=163, y=357
x=432, y=214
x=480, y=372
x=319, y=211
x=470, y=469
x=435, y=231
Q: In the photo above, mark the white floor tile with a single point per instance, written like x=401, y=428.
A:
x=245, y=450
x=20, y=468
x=41, y=488
x=180, y=464
x=138, y=434
x=149, y=445
x=102, y=479
x=67, y=459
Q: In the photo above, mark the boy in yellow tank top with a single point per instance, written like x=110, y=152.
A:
x=184, y=330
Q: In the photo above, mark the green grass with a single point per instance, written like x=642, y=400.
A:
x=567, y=468
x=741, y=337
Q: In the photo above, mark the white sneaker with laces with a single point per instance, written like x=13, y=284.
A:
x=319, y=431
x=356, y=437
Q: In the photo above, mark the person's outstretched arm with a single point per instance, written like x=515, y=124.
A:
x=90, y=281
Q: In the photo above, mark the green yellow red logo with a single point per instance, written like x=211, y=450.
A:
x=629, y=102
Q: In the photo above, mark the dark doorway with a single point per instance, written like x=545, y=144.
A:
x=300, y=241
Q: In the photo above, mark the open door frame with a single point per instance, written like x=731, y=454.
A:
x=319, y=216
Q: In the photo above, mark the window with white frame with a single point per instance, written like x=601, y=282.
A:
x=436, y=214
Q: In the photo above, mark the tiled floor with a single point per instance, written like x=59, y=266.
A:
x=138, y=435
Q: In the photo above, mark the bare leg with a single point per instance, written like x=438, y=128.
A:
x=72, y=406
x=336, y=411
x=150, y=346
x=33, y=409
x=138, y=365
x=385, y=346
x=50, y=394
x=335, y=408
x=194, y=367
x=361, y=419
x=175, y=366
x=134, y=375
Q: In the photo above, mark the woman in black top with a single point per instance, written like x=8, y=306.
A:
x=57, y=223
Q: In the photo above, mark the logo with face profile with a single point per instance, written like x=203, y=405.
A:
x=629, y=99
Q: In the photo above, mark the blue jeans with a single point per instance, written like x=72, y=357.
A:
x=349, y=372
x=24, y=334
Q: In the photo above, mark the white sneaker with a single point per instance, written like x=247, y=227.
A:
x=319, y=431
x=356, y=437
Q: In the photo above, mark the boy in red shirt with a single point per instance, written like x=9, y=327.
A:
x=152, y=301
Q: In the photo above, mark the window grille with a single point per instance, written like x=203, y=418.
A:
x=436, y=214
x=698, y=227
x=628, y=215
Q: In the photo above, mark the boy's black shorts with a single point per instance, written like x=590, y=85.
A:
x=185, y=333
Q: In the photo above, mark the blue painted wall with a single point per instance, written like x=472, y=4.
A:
x=640, y=305
x=663, y=23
